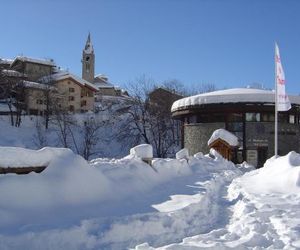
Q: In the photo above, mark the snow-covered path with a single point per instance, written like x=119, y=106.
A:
x=261, y=216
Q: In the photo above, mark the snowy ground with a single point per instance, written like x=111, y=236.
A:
x=202, y=203
x=27, y=135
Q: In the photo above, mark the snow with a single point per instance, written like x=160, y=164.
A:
x=4, y=107
x=279, y=175
x=224, y=135
x=36, y=85
x=263, y=211
x=237, y=95
x=182, y=154
x=28, y=157
x=143, y=151
x=62, y=75
x=5, y=61
x=202, y=202
x=13, y=73
x=33, y=60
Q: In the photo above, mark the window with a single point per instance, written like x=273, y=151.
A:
x=283, y=118
x=292, y=119
x=71, y=108
x=71, y=90
x=83, y=103
x=39, y=101
x=71, y=98
x=235, y=117
x=253, y=117
x=268, y=117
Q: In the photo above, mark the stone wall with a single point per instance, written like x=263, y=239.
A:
x=197, y=135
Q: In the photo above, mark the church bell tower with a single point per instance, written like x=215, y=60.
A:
x=88, y=61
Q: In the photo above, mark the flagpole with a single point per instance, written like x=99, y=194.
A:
x=276, y=109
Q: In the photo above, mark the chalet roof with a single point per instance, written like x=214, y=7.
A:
x=36, y=85
x=13, y=73
x=101, y=82
x=237, y=95
x=171, y=91
x=5, y=61
x=65, y=75
x=224, y=135
x=33, y=60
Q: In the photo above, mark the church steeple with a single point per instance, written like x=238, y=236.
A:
x=88, y=61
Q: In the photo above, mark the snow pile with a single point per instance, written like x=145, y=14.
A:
x=67, y=181
x=280, y=175
x=224, y=135
x=143, y=151
x=28, y=157
x=125, y=203
x=182, y=154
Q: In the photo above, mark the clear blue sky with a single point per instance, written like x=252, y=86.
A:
x=229, y=43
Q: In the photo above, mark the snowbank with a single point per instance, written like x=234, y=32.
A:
x=21, y=157
x=182, y=154
x=280, y=175
x=143, y=151
x=125, y=203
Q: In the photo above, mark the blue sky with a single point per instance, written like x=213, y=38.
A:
x=229, y=43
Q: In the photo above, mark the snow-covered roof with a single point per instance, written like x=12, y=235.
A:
x=5, y=61
x=101, y=77
x=65, y=75
x=10, y=72
x=36, y=85
x=224, y=135
x=106, y=85
x=34, y=60
x=237, y=95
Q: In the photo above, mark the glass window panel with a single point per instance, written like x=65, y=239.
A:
x=235, y=117
x=268, y=117
x=253, y=117
x=235, y=126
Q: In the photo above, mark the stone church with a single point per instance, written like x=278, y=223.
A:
x=101, y=82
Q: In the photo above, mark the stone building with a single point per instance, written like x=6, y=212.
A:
x=247, y=113
x=32, y=68
x=41, y=80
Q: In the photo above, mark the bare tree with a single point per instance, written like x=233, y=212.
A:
x=63, y=121
x=201, y=88
x=12, y=92
x=40, y=138
x=90, y=136
x=148, y=121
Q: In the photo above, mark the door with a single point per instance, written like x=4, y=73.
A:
x=262, y=155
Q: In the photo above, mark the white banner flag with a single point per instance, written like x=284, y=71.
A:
x=283, y=102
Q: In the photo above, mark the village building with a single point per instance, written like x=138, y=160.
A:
x=247, y=113
x=164, y=98
x=41, y=80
